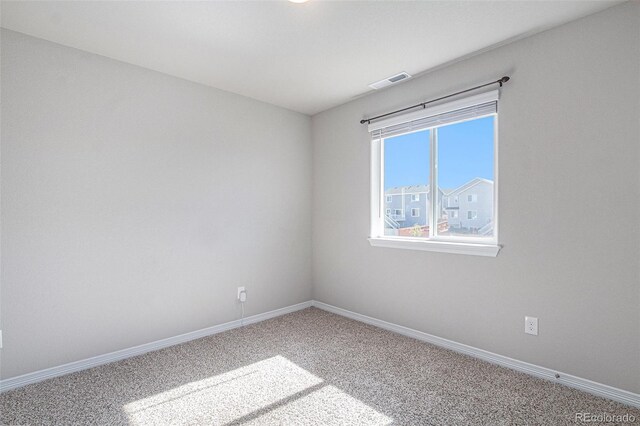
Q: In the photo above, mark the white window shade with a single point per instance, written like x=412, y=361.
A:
x=455, y=111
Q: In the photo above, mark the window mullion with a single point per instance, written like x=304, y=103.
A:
x=381, y=199
x=433, y=185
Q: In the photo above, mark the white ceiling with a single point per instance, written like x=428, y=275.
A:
x=305, y=57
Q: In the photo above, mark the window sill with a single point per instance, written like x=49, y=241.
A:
x=490, y=250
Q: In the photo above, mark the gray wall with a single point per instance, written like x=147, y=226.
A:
x=569, y=208
x=121, y=189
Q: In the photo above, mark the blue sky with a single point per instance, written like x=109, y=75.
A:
x=465, y=151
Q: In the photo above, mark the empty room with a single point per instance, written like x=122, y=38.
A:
x=310, y=212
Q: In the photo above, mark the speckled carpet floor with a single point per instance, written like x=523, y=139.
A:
x=308, y=367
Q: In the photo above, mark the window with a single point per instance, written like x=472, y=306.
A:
x=388, y=212
x=446, y=149
x=389, y=198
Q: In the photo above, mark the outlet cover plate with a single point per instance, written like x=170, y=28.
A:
x=531, y=325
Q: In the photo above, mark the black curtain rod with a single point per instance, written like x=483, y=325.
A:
x=424, y=104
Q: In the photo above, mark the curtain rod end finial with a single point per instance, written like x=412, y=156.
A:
x=505, y=79
x=363, y=121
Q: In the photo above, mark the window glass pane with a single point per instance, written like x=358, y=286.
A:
x=465, y=178
x=406, y=184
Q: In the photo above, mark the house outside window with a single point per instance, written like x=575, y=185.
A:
x=389, y=198
x=415, y=212
x=415, y=197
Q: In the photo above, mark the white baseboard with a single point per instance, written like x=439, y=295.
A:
x=592, y=387
x=38, y=376
x=585, y=385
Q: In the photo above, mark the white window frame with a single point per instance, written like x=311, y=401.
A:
x=389, y=198
x=454, y=214
x=440, y=243
x=472, y=198
x=395, y=212
x=475, y=214
x=417, y=209
x=415, y=197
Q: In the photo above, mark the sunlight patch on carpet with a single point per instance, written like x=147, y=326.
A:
x=224, y=398
x=326, y=406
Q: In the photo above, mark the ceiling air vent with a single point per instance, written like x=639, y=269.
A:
x=389, y=81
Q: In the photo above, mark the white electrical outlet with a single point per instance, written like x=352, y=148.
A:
x=531, y=325
x=242, y=294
